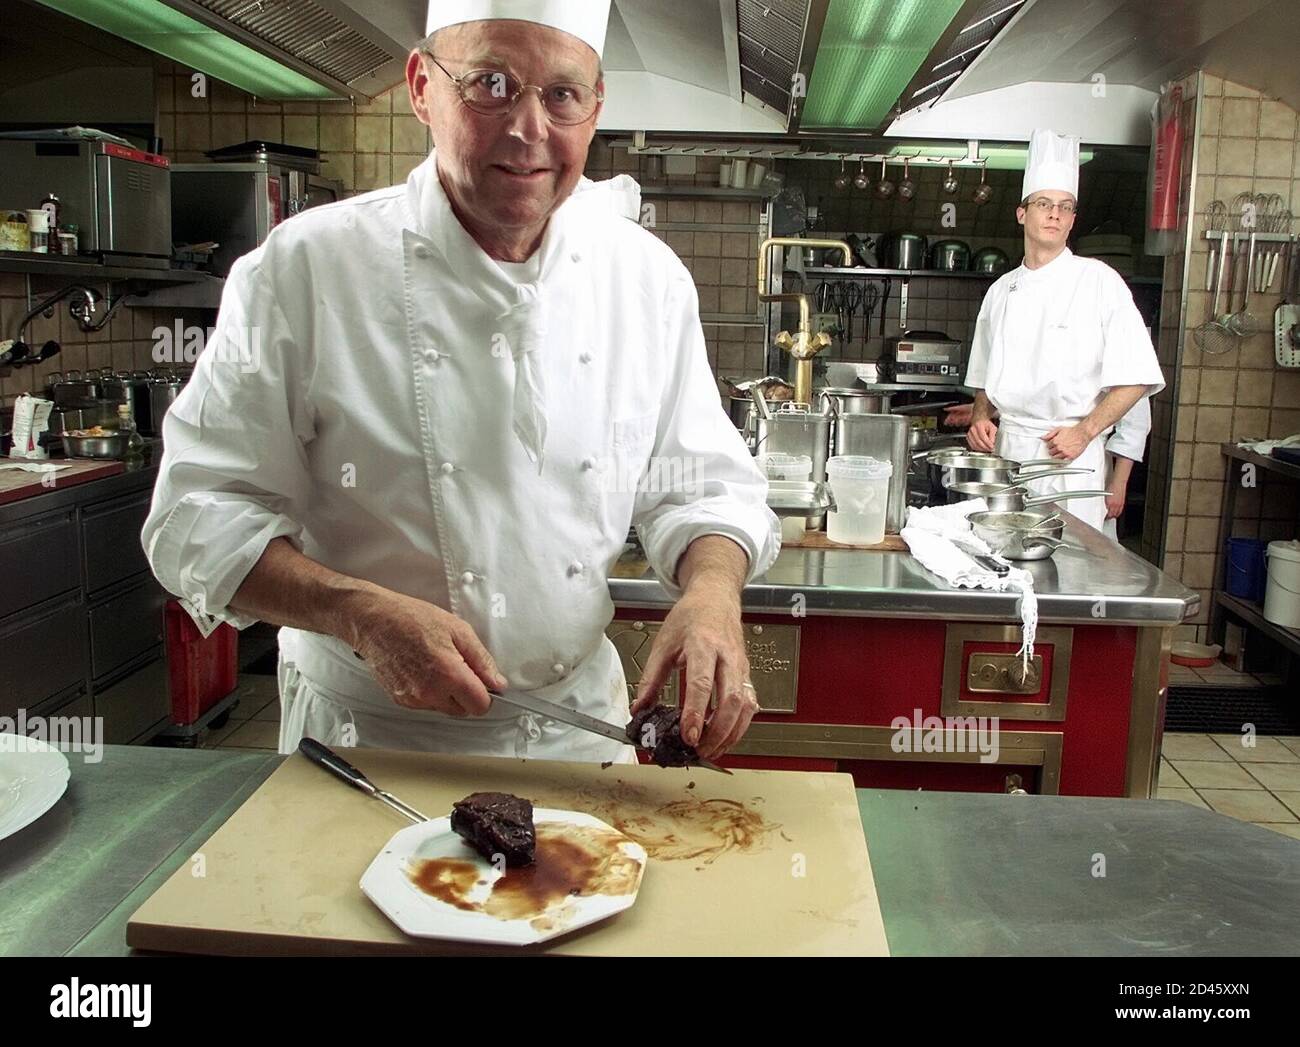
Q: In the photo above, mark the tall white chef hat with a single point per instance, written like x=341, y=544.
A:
x=586, y=19
x=1053, y=164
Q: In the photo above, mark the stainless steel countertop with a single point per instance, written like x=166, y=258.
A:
x=1181, y=881
x=1091, y=579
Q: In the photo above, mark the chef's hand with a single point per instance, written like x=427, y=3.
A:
x=982, y=436
x=425, y=657
x=1067, y=442
x=1115, y=500
x=702, y=634
x=959, y=417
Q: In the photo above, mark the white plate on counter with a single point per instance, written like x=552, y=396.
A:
x=432, y=884
x=33, y=777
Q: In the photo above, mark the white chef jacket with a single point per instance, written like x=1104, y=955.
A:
x=379, y=432
x=1048, y=344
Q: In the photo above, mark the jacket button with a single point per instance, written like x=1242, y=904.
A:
x=575, y=567
x=576, y=257
x=589, y=463
x=431, y=356
x=421, y=251
x=447, y=468
x=558, y=669
x=585, y=358
x=467, y=578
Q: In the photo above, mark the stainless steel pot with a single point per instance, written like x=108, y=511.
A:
x=991, y=260
x=840, y=400
x=950, y=256
x=796, y=431
x=905, y=251
x=1001, y=498
x=113, y=445
x=1019, y=535
x=163, y=391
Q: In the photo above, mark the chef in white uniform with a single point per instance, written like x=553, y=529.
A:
x=1060, y=351
x=1124, y=447
x=429, y=414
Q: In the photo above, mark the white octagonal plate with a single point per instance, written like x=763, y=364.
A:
x=389, y=882
x=33, y=776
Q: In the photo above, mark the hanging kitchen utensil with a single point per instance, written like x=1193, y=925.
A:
x=907, y=188
x=861, y=180
x=1214, y=336
x=950, y=183
x=1217, y=217
x=853, y=295
x=884, y=304
x=1286, y=319
x=884, y=188
x=1243, y=322
x=841, y=179
x=983, y=192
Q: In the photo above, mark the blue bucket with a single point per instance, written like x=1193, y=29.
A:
x=1247, y=571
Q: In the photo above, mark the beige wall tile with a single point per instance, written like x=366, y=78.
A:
x=1249, y=423
x=1211, y=113
x=265, y=126
x=404, y=164
x=229, y=129
x=1174, y=534
x=1202, y=534
x=1179, y=497
x=226, y=99
x=337, y=133
x=1254, y=388
x=374, y=134
x=410, y=136
x=1236, y=158
x=1240, y=117
x=1286, y=390
x=1232, y=89
x=1204, y=498
x=1274, y=159
x=1276, y=120
x=373, y=171
x=1213, y=425
x=1182, y=463
x=302, y=130
x=1283, y=423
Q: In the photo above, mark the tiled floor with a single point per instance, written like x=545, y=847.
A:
x=1219, y=675
x=1258, y=783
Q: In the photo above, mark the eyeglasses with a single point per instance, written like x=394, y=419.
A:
x=494, y=92
x=1045, y=206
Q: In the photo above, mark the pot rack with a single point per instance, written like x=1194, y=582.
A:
x=640, y=144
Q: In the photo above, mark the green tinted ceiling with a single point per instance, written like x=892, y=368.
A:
x=161, y=29
x=869, y=52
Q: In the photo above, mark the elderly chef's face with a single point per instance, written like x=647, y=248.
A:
x=506, y=174
x=1044, y=218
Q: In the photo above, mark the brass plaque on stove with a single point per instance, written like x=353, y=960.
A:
x=773, y=652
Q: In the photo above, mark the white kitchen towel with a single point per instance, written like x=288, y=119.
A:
x=942, y=540
x=1265, y=447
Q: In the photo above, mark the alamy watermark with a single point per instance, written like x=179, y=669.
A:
x=947, y=734
x=68, y=734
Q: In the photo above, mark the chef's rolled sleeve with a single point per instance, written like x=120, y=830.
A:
x=1129, y=437
x=1128, y=358
x=234, y=472
x=703, y=480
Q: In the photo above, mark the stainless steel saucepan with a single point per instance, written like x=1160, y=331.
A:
x=1013, y=499
x=994, y=469
x=1019, y=535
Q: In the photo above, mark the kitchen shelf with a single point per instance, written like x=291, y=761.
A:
x=1264, y=461
x=834, y=270
x=61, y=265
x=1253, y=613
x=708, y=192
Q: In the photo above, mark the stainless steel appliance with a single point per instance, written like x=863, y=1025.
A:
x=794, y=431
x=118, y=197
x=905, y=251
x=882, y=436
x=246, y=191
x=925, y=358
x=950, y=256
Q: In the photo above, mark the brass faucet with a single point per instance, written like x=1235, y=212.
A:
x=804, y=345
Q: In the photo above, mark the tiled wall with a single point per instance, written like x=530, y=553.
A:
x=1248, y=143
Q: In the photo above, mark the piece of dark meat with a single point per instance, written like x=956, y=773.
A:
x=659, y=731
x=497, y=823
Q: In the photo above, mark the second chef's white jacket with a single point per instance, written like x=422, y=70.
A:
x=419, y=417
x=1048, y=344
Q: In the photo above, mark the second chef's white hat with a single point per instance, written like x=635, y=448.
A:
x=586, y=19
x=1053, y=164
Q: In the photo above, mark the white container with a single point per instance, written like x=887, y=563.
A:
x=1282, y=594
x=757, y=172
x=777, y=466
x=724, y=174
x=860, y=486
x=740, y=174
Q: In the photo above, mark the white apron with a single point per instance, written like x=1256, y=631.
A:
x=1024, y=443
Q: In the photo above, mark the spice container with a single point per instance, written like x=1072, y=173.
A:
x=14, y=233
x=38, y=226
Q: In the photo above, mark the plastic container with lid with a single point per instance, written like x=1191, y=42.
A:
x=860, y=486
x=1282, y=594
x=799, y=467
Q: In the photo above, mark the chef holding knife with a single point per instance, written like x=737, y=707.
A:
x=465, y=389
x=1060, y=351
